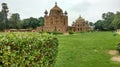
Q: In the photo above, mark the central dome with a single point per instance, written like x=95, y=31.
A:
x=80, y=19
x=56, y=10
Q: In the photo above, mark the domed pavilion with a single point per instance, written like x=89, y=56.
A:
x=56, y=20
x=80, y=25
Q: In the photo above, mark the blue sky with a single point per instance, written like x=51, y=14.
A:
x=90, y=10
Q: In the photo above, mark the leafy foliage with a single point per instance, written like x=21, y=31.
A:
x=110, y=21
x=116, y=21
x=41, y=21
x=99, y=25
x=32, y=22
x=55, y=33
x=91, y=23
x=106, y=22
x=1, y=21
x=14, y=21
x=71, y=32
x=27, y=49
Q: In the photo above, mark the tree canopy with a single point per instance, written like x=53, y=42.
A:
x=1, y=21
x=110, y=21
x=31, y=23
x=116, y=21
x=14, y=21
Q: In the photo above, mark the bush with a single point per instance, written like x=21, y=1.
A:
x=114, y=34
x=55, y=33
x=71, y=32
x=118, y=48
x=27, y=50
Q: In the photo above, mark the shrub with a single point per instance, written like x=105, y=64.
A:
x=27, y=50
x=118, y=48
x=55, y=33
x=114, y=34
x=71, y=32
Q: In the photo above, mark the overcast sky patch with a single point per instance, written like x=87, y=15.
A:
x=91, y=10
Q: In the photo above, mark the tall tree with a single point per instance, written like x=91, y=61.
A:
x=41, y=21
x=25, y=23
x=30, y=23
x=116, y=21
x=14, y=21
x=108, y=18
x=33, y=22
x=4, y=14
x=106, y=22
x=91, y=23
x=1, y=21
x=99, y=25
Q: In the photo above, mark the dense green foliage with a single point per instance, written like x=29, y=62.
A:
x=87, y=50
x=30, y=23
x=4, y=13
x=116, y=21
x=1, y=21
x=71, y=32
x=55, y=33
x=91, y=23
x=41, y=21
x=110, y=21
x=14, y=22
x=27, y=50
x=106, y=22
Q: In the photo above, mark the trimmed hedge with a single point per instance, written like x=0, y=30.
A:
x=27, y=50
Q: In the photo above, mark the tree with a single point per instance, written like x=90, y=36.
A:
x=99, y=25
x=41, y=21
x=108, y=18
x=116, y=21
x=25, y=23
x=4, y=14
x=91, y=23
x=106, y=22
x=1, y=21
x=33, y=22
x=30, y=23
x=14, y=21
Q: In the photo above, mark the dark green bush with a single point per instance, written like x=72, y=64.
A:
x=118, y=47
x=71, y=32
x=55, y=33
x=114, y=34
x=27, y=50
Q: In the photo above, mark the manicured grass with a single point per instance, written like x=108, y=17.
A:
x=87, y=50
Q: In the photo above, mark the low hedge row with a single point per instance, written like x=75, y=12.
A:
x=27, y=50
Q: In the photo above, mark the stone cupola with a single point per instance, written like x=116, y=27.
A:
x=56, y=11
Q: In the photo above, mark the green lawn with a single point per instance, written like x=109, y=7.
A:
x=87, y=50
